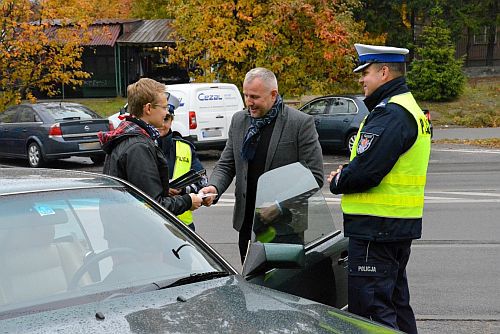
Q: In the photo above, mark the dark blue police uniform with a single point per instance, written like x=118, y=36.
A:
x=379, y=247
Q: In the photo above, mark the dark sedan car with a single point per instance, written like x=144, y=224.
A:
x=51, y=130
x=337, y=119
x=87, y=253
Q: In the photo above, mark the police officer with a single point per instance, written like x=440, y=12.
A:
x=181, y=157
x=383, y=189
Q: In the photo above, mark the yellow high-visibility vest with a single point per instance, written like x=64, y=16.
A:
x=400, y=194
x=183, y=159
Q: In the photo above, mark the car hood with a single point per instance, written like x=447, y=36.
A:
x=223, y=305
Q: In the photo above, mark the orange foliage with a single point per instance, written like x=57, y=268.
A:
x=41, y=44
x=307, y=43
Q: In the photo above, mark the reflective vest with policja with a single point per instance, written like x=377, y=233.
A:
x=183, y=159
x=400, y=194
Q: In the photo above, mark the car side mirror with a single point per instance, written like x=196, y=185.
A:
x=264, y=256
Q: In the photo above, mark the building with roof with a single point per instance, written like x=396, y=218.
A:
x=120, y=52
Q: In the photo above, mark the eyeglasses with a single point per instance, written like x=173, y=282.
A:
x=163, y=107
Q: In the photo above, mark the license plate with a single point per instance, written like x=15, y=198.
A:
x=95, y=145
x=211, y=133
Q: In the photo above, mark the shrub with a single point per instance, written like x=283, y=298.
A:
x=435, y=74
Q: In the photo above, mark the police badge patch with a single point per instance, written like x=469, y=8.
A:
x=365, y=141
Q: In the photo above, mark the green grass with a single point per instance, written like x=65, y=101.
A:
x=478, y=106
x=103, y=106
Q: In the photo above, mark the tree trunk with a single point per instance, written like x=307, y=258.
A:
x=468, y=46
x=492, y=31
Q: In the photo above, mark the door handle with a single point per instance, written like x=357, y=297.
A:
x=219, y=116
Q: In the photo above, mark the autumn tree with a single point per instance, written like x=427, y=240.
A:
x=307, y=43
x=151, y=9
x=41, y=43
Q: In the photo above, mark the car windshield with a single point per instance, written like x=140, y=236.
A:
x=66, y=112
x=290, y=207
x=72, y=243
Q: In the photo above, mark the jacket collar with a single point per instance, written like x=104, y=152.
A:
x=389, y=89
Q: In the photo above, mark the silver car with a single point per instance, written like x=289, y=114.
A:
x=87, y=253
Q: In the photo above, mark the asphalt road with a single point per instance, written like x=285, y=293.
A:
x=454, y=269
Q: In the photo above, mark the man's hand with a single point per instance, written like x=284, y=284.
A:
x=208, y=200
x=334, y=173
x=196, y=200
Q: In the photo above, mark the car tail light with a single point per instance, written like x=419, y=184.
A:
x=55, y=131
x=111, y=126
x=192, y=120
x=427, y=114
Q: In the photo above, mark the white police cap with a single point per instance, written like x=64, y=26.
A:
x=378, y=54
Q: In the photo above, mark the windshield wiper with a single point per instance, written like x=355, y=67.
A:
x=192, y=278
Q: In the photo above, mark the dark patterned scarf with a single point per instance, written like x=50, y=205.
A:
x=151, y=130
x=253, y=134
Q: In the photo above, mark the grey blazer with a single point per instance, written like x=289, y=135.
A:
x=294, y=139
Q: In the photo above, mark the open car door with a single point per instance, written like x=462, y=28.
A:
x=295, y=246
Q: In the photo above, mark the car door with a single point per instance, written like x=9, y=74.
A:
x=28, y=124
x=319, y=110
x=297, y=213
x=8, y=127
x=337, y=121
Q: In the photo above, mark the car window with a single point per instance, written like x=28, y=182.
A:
x=88, y=241
x=318, y=107
x=27, y=115
x=339, y=106
x=351, y=106
x=290, y=213
x=8, y=116
x=67, y=112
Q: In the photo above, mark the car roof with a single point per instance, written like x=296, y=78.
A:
x=54, y=104
x=350, y=96
x=23, y=180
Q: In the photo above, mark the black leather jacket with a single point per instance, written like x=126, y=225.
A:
x=133, y=156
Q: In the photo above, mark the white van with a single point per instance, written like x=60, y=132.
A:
x=204, y=113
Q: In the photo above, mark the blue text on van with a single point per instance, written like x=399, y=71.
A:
x=209, y=97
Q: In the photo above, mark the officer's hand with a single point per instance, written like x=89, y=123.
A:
x=334, y=173
x=269, y=214
x=196, y=201
x=211, y=191
x=173, y=191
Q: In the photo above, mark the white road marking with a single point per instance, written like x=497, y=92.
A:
x=228, y=199
x=468, y=150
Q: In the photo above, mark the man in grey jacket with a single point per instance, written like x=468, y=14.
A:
x=266, y=135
